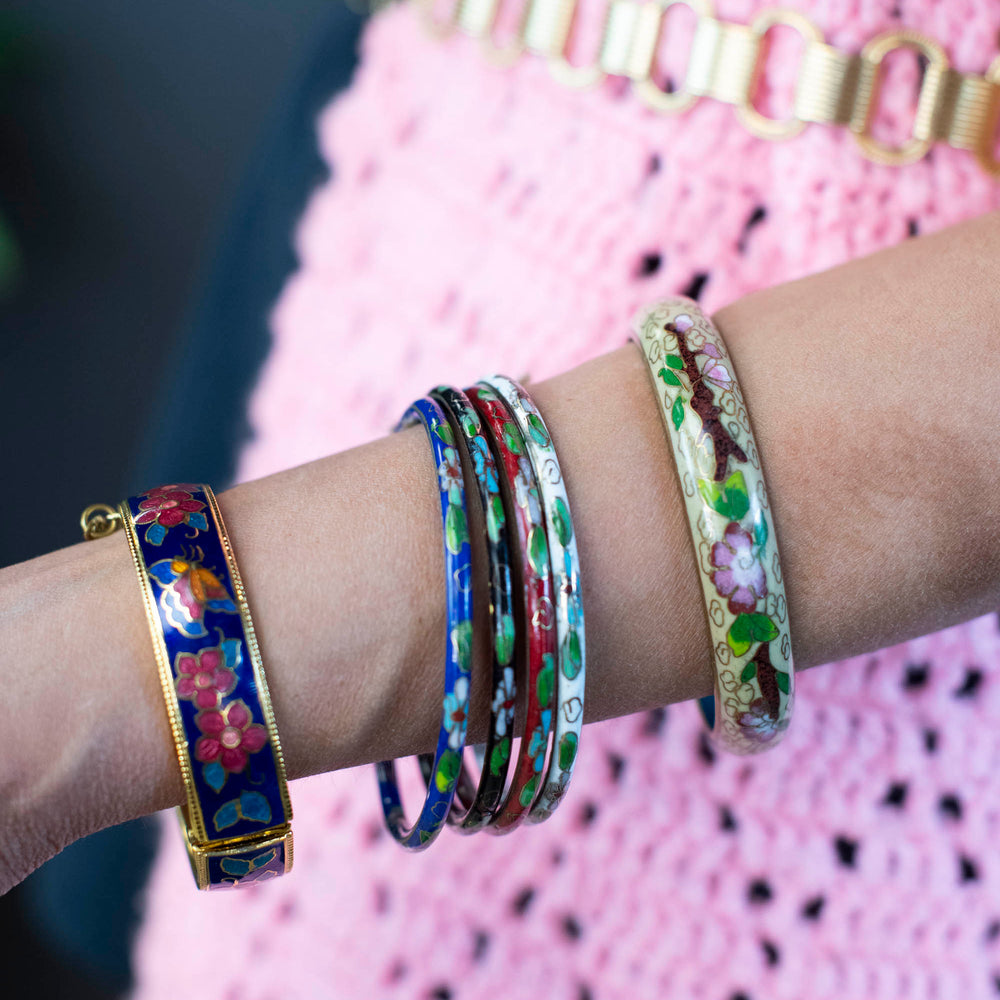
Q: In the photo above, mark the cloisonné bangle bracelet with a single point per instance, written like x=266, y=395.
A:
x=443, y=777
x=538, y=609
x=570, y=637
x=485, y=797
x=730, y=521
x=237, y=814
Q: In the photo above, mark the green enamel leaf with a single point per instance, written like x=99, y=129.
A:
x=749, y=673
x=546, y=682
x=568, y=747
x=740, y=637
x=528, y=792
x=538, y=551
x=456, y=530
x=730, y=499
x=469, y=427
x=505, y=640
x=760, y=532
x=563, y=523
x=447, y=771
x=461, y=640
x=572, y=659
x=443, y=431
x=499, y=756
x=783, y=681
x=748, y=629
x=668, y=376
x=677, y=412
x=495, y=518
x=737, y=497
x=538, y=430
x=764, y=629
x=673, y=361
x=513, y=440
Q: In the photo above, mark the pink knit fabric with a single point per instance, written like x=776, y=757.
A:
x=482, y=219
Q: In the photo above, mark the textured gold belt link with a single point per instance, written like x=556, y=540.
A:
x=726, y=60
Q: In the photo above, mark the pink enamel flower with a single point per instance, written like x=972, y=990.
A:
x=738, y=573
x=203, y=677
x=230, y=737
x=167, y=506
x=757, y=723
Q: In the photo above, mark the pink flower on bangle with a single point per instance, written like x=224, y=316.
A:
x=230, y=737
x=758, y=722
x=203, y=677
x=738, y=575
x=167, y=507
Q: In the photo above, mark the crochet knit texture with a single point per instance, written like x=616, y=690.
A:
x=481, y=219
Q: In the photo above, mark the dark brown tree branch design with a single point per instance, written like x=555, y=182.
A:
x=702, y=402
x=767, y=678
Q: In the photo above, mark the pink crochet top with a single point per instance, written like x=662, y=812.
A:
x=484, y=219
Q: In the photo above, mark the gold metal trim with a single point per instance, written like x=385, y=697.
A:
x=199, y=855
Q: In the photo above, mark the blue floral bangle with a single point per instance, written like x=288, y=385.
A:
x=237, y=814
x=443, y=777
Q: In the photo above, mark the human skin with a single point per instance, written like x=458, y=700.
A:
x=872, y=389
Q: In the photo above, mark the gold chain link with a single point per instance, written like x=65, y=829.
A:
x=98, y=521
x=726, y=60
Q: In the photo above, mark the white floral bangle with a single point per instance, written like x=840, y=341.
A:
x=731, y=525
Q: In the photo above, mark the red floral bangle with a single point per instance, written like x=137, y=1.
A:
x=521, y=488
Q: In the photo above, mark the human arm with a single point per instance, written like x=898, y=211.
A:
x=872, y=389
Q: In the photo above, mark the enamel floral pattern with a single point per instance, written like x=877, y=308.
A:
x=237, y=813
x=730, y=520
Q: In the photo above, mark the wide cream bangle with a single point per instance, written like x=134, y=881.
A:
x=731, y=526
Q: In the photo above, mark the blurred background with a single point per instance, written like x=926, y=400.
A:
x=153, y=159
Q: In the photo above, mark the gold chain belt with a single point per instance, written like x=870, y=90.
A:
x=725, y=62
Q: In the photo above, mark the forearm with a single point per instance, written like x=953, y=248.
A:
x=872, y=391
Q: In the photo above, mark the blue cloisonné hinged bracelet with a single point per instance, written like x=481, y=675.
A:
x=237, y=814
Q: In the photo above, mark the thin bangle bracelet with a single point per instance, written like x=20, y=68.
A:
x=484, y=798
x=730, y=521
x=570, y=636
x=539, y=611
x=458, y=584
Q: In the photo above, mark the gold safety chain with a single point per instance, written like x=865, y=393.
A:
x=98, y=521
x=726, y=60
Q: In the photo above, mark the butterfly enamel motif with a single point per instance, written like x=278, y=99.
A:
x=187, y=590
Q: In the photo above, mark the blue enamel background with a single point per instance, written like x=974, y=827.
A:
x=257, y=786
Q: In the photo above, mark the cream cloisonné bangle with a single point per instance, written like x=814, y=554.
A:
x=731, y=525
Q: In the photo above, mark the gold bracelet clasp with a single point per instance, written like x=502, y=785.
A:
x=99, y=520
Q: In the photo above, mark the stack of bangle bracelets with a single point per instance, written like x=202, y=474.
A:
x=538, y=643
x=237, y=814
